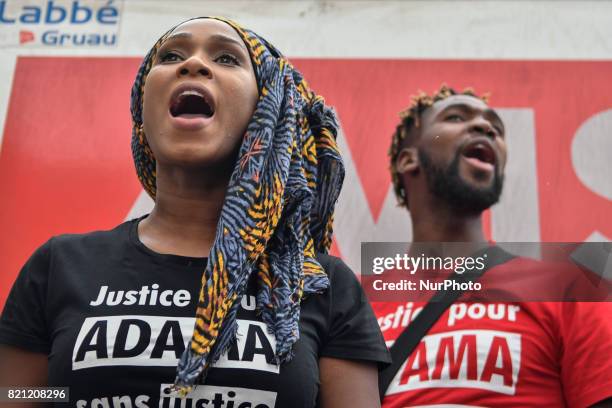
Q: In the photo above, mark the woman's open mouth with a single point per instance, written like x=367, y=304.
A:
x=191, y=106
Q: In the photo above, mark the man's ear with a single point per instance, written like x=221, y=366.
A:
x=407, y=160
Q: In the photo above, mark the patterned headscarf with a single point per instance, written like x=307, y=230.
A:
x=277, y=214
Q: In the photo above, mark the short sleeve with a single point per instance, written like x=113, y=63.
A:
x=586, y=365
x=353, y=332
x=23, y=322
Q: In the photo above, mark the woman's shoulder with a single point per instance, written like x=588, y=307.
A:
x=339, y=273
x=332, y=263
x=98, y=238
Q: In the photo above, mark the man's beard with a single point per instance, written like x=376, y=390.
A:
x=447, y=184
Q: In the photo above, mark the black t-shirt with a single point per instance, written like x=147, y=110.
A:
x=114, y=318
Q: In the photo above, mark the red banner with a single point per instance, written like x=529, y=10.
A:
x=65, y=163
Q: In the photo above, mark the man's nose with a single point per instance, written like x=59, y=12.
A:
x=483, y=126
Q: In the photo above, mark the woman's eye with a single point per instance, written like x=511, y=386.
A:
x=169, y=57
x=227, y=59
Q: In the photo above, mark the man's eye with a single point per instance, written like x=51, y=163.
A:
x=454, y=118
x=227, y=59
x=169, y=57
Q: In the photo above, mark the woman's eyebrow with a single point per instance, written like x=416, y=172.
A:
x=215, y=37
x=226, y=39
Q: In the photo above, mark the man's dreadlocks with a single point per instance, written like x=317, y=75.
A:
x=411, y=117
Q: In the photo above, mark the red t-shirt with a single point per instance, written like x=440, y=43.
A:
x=549, y=354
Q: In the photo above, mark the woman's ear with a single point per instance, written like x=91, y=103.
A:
x=407, y=160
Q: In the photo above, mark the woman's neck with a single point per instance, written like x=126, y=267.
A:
x=186, y=213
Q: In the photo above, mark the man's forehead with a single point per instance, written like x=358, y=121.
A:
x=457, y=100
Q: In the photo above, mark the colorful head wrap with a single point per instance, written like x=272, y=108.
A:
x=277, y=212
